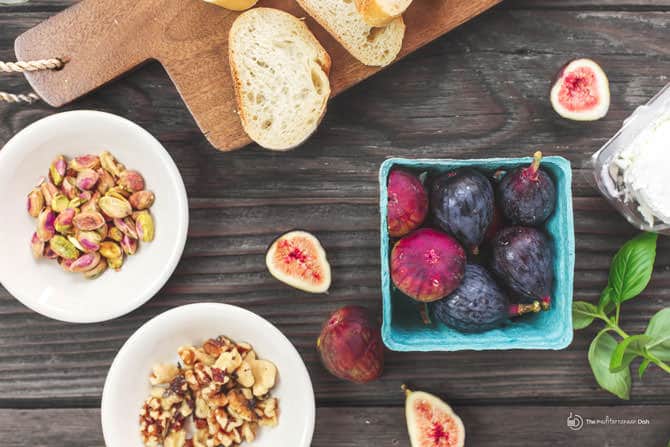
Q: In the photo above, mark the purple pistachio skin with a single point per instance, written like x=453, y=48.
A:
x=85, y=262
x=45, y=225
x=87, y=179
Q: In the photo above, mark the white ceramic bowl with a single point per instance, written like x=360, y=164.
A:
x=127, y=384
x=41, y=284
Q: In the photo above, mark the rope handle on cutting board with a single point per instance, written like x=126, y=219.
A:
x=23, y=67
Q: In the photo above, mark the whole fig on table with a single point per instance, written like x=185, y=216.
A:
x=407, y=203
x=527, y=195
x=462, y=203
x=478, y=304
x=427, y=265
x=350, y=345
x=522, y=260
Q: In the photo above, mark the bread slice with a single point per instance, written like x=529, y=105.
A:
x=370, y=45
x=280, y=73
x=381, y=12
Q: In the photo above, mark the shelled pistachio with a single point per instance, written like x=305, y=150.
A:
x=35, y=202
x=57, y=170
x=63, y=248
x=144, y=224
x=91, y=213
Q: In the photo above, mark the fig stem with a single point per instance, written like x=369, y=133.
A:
x=516, y=310
x=405, y=390
x=535, y=165
x=425, y=314
x=545, y=303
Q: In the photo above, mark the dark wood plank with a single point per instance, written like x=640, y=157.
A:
x=385, y=426
x=481, y=91
x=224, y=263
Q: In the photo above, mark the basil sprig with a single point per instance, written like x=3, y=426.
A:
x=610, y=359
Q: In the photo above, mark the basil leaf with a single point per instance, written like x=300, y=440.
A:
x=643, y=367
x=626, y=351
x=600, y=353
x=632, y=266
x=659, y=333
x=583, y=314
x=605, y=304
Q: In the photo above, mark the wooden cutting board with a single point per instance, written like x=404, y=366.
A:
x=103, y=39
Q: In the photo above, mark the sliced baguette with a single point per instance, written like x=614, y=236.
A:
x=370, y=45
x=280, y=74
x=381, y=12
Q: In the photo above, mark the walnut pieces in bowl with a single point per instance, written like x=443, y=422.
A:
x=208, y=381
x=222, y=386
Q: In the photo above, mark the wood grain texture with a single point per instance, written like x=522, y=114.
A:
x=103, y=39
x=385, y=426
x=481, y=91
x=470, y=94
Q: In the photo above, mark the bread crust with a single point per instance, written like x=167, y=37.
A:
x=396, y=23
x=376, y=14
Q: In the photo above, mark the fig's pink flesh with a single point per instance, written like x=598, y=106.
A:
x=437, y=428
x=427, y=265
x=579, y=89
x=351, y=347
x=407, y=203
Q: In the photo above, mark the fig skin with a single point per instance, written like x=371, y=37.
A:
x=527, y=195
x=581, y=91
x=407, y=203
x=522, y=260
x=477, y=305
x=462, y=203
x=427, y=265
x=350, y=345
x=497, y=223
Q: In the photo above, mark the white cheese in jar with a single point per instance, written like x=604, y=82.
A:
x=645, y=170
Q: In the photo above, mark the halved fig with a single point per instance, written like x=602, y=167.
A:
x=581, y=91
x=297, y=258
x=431, y=422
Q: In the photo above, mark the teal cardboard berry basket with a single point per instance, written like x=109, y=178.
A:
x=403, y=328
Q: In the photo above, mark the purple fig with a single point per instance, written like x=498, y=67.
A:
x=462, y=202
x=527, y=195
x=522, y=260
x=479, y=304
x=350, y=345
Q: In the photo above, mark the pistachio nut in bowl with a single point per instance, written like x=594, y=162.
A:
x=116, y=232
x=211, y=373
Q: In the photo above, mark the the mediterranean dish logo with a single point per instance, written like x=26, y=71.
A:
x=576, y=422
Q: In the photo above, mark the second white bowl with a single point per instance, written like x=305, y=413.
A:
x=127, y=384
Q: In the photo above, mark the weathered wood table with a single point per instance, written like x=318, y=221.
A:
x=480, y=91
